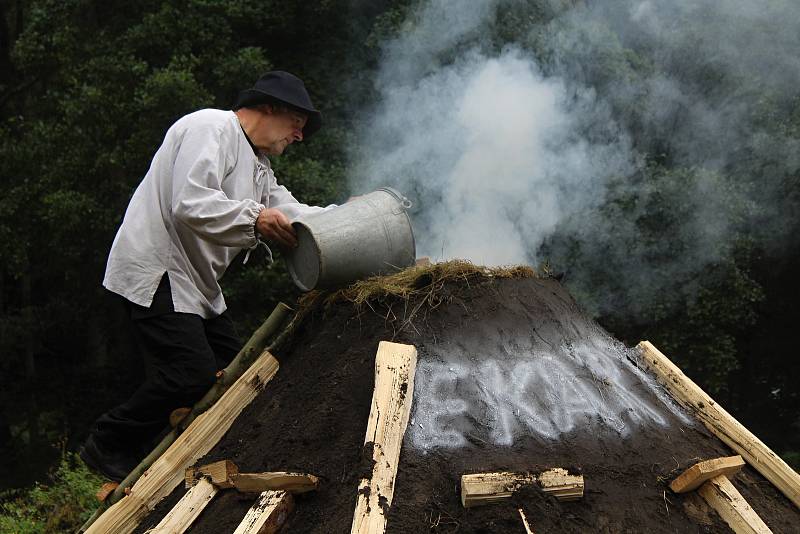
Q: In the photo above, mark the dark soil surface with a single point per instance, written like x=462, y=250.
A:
x=511, y=375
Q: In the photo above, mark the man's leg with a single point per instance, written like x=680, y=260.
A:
x=223, y=338
x=182, y=368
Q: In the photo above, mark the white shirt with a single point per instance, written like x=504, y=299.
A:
x=194, y=211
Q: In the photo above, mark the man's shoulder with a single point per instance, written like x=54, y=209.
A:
x=216, y=118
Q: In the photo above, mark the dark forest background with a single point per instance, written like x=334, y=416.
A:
x=88, y=89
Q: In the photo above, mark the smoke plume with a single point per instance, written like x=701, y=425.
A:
x=527, y=132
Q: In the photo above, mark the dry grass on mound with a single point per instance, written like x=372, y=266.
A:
x=419, y=287
x=417, y=281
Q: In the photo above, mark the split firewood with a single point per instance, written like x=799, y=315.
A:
x=560, y=484
x=168, y=470
x=723, y=497
x=479, y=489
x=395, y=365
x=721, y=423
x=710, y=478
x=225, y=474
x=268, y=514
x=183, y=514
x=693, y=477
x=221, y=474
x=276, y=481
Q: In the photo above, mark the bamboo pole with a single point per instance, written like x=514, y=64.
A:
x=228, y=376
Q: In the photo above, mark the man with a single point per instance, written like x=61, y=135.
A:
x=209, y=193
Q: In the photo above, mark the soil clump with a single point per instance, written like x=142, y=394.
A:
x=511, y=376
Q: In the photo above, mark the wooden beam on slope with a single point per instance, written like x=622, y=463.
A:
x=478, y=489
x=268, y=514
x=388, y=418
x=731, y=506
x=693, y=477
x=225, y=474
x=187, y=509
x=721, y=423
x=221, y=474
x=168, y=471
x=277, y=480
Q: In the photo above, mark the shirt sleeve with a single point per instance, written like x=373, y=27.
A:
x=279, y=197
x=198, y=200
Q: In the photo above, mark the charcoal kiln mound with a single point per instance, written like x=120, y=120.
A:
x=511, y=376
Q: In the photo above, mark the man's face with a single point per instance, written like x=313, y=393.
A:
x=278, y=129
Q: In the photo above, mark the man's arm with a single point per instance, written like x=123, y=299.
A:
x=197, y=197
x=279, y=197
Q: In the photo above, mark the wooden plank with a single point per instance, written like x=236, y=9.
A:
x=187, y=509
x=721, y=423
x=693, y=477
x=277, y=480
x=168, y=471
x=221, y=474
x=479, y=489
x=268, y=514
x=388, y=418
x=731, y=506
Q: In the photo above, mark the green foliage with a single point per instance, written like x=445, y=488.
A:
x=63, y=505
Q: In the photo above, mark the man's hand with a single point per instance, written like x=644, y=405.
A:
x=272, y=224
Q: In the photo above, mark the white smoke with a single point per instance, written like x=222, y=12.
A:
x=492, y=152
x=502, y=153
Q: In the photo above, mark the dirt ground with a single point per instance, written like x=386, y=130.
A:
x=511, y=375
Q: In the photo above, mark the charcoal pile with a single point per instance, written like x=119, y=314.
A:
x=512, y=383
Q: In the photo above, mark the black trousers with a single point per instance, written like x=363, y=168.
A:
x=183, y=352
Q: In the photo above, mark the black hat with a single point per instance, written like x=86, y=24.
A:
x=281, y=87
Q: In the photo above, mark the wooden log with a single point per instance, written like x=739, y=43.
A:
x=268, y=514
x=479, y=489
x=168, y=471
x=187, y=509
x=693, y=477
x=277, y=480
x=721, y=495
x=388, y=418
x=221, y=474
x=721, y=423
x=560, y=484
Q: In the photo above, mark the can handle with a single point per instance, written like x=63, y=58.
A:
x=405, y=203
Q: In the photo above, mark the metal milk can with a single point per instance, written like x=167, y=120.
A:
x=367, y=236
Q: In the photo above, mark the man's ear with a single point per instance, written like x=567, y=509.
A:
x=269, y=109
